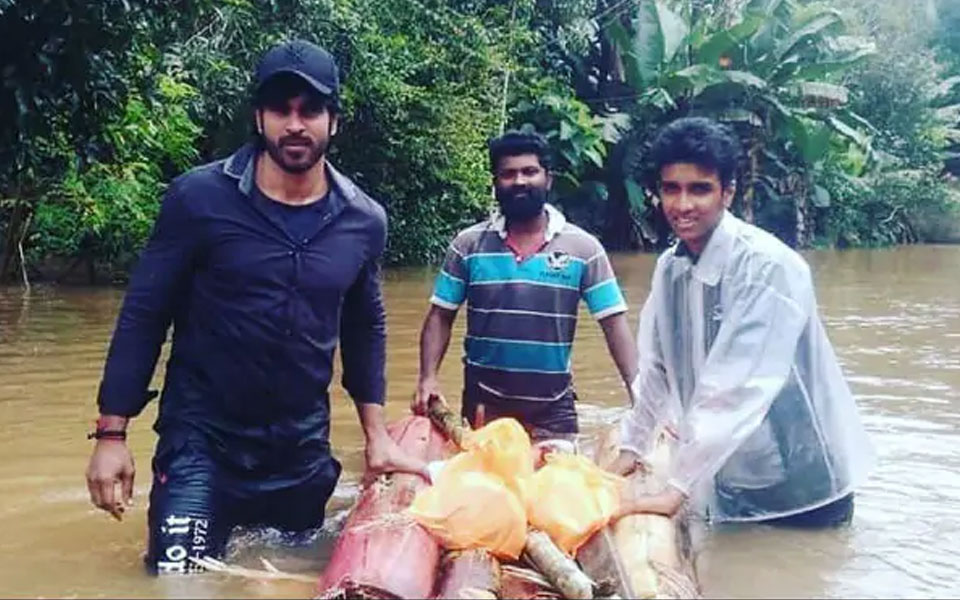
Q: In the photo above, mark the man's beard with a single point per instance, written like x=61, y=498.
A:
x=521, y=202
x=310, y=153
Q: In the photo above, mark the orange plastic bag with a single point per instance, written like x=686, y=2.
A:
x=502, y=448
x=571, y=498
x=478, y=498
x=468, y=508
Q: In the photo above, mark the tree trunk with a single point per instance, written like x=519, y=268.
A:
x=382, y=552
x=611, y=75
x=802, y=227
x=618, y=230
x=642, y=556
x=469, y=575
x=750, y=192
x=13, y=266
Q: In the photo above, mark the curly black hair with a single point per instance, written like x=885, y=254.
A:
x=697, y=140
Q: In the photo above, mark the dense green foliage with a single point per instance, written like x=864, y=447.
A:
x=419, y=105
x=847, y=109
x=805, y=84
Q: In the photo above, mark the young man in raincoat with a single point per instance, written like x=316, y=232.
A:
x=734, y=359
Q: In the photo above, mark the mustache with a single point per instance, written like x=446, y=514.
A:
x=515, y=190
x=295, y=140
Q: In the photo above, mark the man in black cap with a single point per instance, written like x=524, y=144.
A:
x=262, y=262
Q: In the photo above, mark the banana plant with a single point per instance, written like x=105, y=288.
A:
x=580, y=141
x=768, y=75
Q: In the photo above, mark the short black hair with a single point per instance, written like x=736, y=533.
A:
x=697, y=140
x=515, y=143
x=277, y=91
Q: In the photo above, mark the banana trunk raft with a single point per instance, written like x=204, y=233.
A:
x=643, y=556
x=383, y=553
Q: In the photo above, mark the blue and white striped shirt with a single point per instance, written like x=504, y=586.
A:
x=522, y=315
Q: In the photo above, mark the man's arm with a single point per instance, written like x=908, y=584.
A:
x=155, y=291
x=748, y=364
x=623, y=349
x=363, y=336
x=649, y=390
x=434, y=340
x=621, y=344
x=148, y=308
x=601, y=292
x=449, y=292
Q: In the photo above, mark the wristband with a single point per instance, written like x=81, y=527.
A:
x=108, y=434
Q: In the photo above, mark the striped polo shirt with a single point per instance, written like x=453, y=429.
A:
x=522, y=315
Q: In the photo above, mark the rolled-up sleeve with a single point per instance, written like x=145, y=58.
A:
x=156, y=285
x=599, y=287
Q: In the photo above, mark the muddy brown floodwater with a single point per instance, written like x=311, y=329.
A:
x=893, y=315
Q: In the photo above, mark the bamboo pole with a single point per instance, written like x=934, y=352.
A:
x=446, y=421
x=558, y=568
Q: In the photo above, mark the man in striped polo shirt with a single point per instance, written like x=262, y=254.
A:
x=522, y=274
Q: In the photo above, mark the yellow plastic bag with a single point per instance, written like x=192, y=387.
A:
x=472, y=509
x=502, y=448
x=571, y=498
x=477, y=500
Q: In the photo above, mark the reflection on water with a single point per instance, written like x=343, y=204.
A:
x=893, y=315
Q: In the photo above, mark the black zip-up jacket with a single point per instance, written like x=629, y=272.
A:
x=256, y=317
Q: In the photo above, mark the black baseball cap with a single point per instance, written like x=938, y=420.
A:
x=300, y=57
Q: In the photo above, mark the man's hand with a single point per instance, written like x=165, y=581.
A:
x=666, y=503
x=626, y=463
x=110, y=465
x=383, y=455
x=426, y=388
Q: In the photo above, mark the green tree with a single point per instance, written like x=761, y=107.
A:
x=762, y=66
x=422, y=94
x=104, y=102
x=70, y=70
x=906, y=92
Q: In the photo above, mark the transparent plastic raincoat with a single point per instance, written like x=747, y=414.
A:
x=735, y=358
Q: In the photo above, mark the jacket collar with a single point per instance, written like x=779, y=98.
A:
x=708, y=267
x=555, y=222
x=241, y=166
